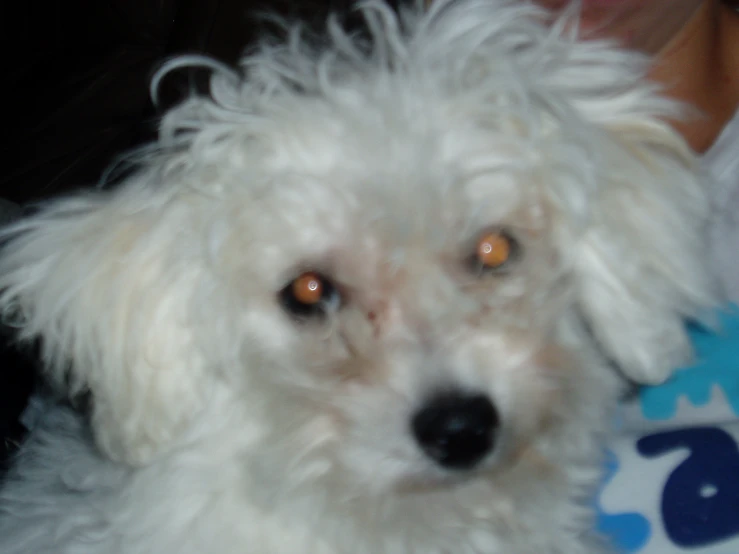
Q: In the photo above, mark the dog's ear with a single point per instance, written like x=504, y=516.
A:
x=97, y=280
x=641, y=265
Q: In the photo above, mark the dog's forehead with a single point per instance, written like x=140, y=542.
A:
x=393, y=162
x=396, y=189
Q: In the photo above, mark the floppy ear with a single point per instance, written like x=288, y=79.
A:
x=642, y=268
x=97, y=280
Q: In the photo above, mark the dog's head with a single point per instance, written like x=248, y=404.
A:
x=388, y=252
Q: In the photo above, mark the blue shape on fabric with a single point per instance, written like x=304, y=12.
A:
x=629, y=532
x=717, y=354
x=700, y=500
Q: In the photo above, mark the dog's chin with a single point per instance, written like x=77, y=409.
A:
x=422, y=476
x=430, y=480
x=414, y=482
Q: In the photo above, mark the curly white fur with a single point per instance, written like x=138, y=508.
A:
x=220, y=424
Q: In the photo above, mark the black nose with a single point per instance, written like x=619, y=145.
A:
x=456, y=430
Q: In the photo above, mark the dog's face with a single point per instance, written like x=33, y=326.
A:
x=406, y=303
x=384, y=269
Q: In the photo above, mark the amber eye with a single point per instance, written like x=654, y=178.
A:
x=309, y=295
x=494, y=250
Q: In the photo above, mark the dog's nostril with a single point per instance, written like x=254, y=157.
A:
x=456, y=430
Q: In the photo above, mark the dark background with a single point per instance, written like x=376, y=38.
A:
x=76, y=75
x=75, y=78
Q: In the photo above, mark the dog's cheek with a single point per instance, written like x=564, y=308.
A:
x=375, y=445
x=546, y=385
x=532, y=396
x=528, y=381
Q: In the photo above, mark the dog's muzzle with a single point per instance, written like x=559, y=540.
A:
x=456, y=430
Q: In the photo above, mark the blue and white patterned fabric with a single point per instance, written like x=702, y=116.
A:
x=673, y=470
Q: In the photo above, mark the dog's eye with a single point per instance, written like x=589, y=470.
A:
x=494, y=251
x=310, y=295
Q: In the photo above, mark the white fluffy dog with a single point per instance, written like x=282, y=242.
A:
x=364, y=298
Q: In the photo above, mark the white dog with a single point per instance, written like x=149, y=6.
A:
x=364, y=298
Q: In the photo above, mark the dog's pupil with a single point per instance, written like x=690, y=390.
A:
x=308, y=288
x=310, y=295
